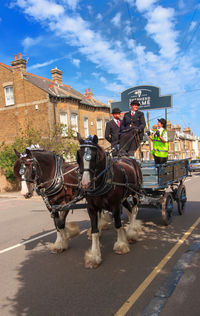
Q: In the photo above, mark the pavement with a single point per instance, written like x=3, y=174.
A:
x=179, y=293
x=184, y=300
x=16, y=195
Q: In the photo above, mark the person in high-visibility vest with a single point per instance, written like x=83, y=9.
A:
x=160, y=139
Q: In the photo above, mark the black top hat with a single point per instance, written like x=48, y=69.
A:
x=163, y=122
x=135, y=102
x=116, y=110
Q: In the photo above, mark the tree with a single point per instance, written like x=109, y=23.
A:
x=54, y=141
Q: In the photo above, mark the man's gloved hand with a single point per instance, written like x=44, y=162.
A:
x=148, y=133
x=157, y=133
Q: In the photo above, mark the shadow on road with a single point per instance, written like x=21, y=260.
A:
x=52, y=284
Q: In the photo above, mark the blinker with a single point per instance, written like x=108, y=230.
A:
x=88, y=155
x=21, y=170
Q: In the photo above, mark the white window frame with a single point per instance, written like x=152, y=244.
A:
x=9, y=95
x=99, y=129
x=86, y=126
x=176, y=146
x=64, y=121
x=74, y=124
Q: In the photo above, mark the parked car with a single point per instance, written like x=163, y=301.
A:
x=194, y=165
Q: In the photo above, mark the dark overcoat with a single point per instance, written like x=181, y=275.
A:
x=112, y=133
x=135, y=122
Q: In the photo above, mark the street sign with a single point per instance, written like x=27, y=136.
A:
x=148, y=96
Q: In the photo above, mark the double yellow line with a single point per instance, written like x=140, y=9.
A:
x=138, y=292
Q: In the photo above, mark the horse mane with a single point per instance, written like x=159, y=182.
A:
x=16, y=168
x=101, y=152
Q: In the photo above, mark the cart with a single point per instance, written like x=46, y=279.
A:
x=162, y=185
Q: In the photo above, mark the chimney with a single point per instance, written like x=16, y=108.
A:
x=169, y=125
x=19, y=63
x=187, y=130
x=56, y=75
x=176, y=128
x=88, y=94
x=109, y=102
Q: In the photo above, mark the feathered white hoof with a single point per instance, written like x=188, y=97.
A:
x=73, y=229
x=105, y=221
x=134, y=231
x=89, y=234
x=61, y=243
x=58, y=247
x=55, y=249
x=121, y=248
x=92, y=260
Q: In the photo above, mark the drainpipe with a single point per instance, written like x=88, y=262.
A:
x=54, y=112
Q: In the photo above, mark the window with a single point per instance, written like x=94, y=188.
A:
x=74, y=123
x=176, y=146
x=99, y=128
x=9, y=95
x=86, y=127
x=63, y=120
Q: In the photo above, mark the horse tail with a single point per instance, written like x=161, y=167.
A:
x=138, y=171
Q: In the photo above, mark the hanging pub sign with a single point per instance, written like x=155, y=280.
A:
x=148, y=96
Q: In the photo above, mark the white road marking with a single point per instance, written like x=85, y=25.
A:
x=31, y=240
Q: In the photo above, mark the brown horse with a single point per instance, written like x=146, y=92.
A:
x=56, y=181
x=108, y=184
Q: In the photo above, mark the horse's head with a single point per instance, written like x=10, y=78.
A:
x=25, y=169
x=88, y=157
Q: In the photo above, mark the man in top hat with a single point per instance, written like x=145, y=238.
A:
x=160, y=139
x=112, y=129
x=132, y=130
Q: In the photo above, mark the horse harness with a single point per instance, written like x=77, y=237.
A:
x=106, y=174
x=107, y=182
x=56, y=183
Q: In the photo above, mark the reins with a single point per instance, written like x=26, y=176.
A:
x=129, y=140
x=68, y=172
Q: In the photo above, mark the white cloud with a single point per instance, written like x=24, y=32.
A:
x=90, y=9
x=46, y=63
x=117, y=20
x=78, y=75
x=165, y=68
x=192, y=26
x=143, y=5
x=130, y=2
x=76, y=62
x=41, y=9
x=130, y=43
x=99, y=17
x=95, y=74
x=127, y=30
x=160, y=27
x=115, y=87
x=72, y=3
x=29, y=42
x=102, y=98
x=103, y=79
x=181, y=4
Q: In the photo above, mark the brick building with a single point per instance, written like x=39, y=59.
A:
x=182, y=144
x=25, y=97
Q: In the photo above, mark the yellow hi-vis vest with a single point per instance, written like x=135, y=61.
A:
x=160, y=149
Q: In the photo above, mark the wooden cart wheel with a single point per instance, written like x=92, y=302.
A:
x=181, y=198
x=167, y=208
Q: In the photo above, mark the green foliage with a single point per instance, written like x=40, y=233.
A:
x=53, y=141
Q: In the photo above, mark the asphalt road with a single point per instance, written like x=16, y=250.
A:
x=36, y=282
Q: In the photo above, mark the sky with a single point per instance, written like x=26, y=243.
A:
x=110, y=46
